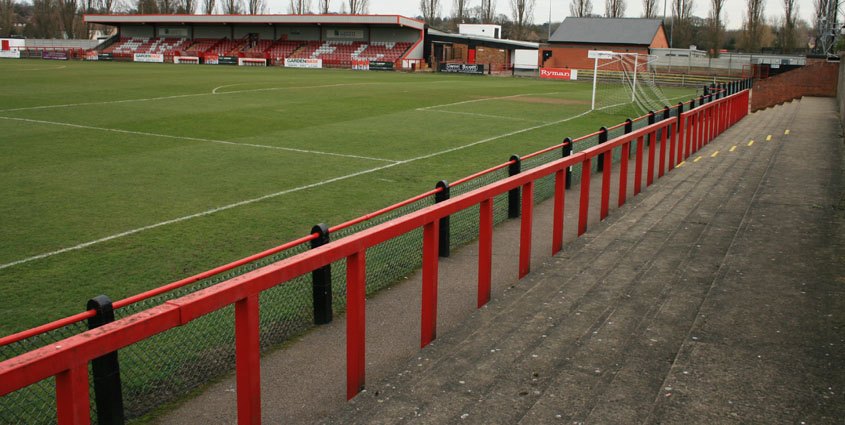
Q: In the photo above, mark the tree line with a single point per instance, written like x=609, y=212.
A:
x=63, y=18
x=782, y=31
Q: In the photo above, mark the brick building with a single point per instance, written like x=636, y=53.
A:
x=568, y=46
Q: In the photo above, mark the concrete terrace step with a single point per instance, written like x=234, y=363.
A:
x=620, y=300
x=595, y=334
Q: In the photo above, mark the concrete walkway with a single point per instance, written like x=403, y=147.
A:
x=713, y=297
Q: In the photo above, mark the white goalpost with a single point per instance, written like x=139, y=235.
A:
x=621, y=78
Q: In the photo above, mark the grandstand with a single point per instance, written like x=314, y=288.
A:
x=336, y=40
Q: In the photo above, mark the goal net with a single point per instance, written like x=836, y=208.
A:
x=624, y=81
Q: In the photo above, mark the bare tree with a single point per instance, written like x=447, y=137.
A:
x=787, y=34
x=716, y=7
x=44, y=18
x=208, y=7
x=488, y=11
x=187, y=7
x=753, y=25
x=107, y=6
x=67, y=16
x=233, y=7
x=614, y=8
x=581, y=8
x=90, y=6
x=323, y=6
x=523, y=12
x=299, y=7
x=430, y=10
x=649, y=9
x=166, y=7
x=257, y=7
x=682, y=25
x=459, y=10
x=7, y=17
x=146, y=7
x=359, y=7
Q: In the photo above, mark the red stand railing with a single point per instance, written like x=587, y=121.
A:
x=68, y=359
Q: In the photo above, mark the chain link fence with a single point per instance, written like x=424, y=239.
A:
x=168, y=365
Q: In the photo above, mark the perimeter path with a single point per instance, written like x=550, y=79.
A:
x=716, y=296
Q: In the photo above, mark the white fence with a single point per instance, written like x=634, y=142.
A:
x=699, y=60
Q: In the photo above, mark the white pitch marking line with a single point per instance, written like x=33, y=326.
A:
x=197, y=139
x=178, y=96
x=227, y=85
x=284, y=192
x=483, y=100
x=188, y=217
x=40, y=69
x=479, y=115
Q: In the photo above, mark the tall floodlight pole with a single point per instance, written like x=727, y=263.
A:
x=550, y=20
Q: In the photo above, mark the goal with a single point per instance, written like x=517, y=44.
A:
x=624, y=80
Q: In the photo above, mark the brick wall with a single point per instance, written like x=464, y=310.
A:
x=840, y=92
x=817, y=78
x=574, y=56
x=490, y=55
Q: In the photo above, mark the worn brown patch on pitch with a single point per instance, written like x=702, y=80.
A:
x=549, y=101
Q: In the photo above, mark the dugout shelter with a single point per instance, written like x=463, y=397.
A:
x=300, y=40
x=569, y=46
x=499, y=54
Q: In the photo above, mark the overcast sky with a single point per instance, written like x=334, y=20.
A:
x=731, y=16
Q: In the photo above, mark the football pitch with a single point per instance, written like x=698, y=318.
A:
x=121, y=177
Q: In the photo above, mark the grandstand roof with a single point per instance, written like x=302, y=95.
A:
x=256, y=19
x=437, y=35
x=636, y=31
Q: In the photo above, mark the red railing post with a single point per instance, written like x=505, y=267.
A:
x=428, y=331
x=72, y=405
x=248, y=357
x=525, y=229
x=623, y=172
x=700, y=135
x=638, y=167
x=485, y=250
x=661, y=169
x=356, y=282
x=711, y=128
x=688, y=130
x=672, y=144
x=652, y=147
x=560, y=201
x=584, y=203
x=605, y=183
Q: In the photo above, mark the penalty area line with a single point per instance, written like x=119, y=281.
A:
x=213, y=92
x=196, y=139
x=287, y=191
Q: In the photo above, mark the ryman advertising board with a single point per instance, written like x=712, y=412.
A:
x=559, y=74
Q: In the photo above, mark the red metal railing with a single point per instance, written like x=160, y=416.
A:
x=68, y=359
x=178, y=284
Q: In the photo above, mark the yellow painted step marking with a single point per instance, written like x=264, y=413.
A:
x=681, y=164
x=733, y=148
x=769, y=137
x=696, y=160
x=714, y=154
x=750, y=143
x=786, y=132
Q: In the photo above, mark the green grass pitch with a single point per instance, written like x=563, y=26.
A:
x=121, y=177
